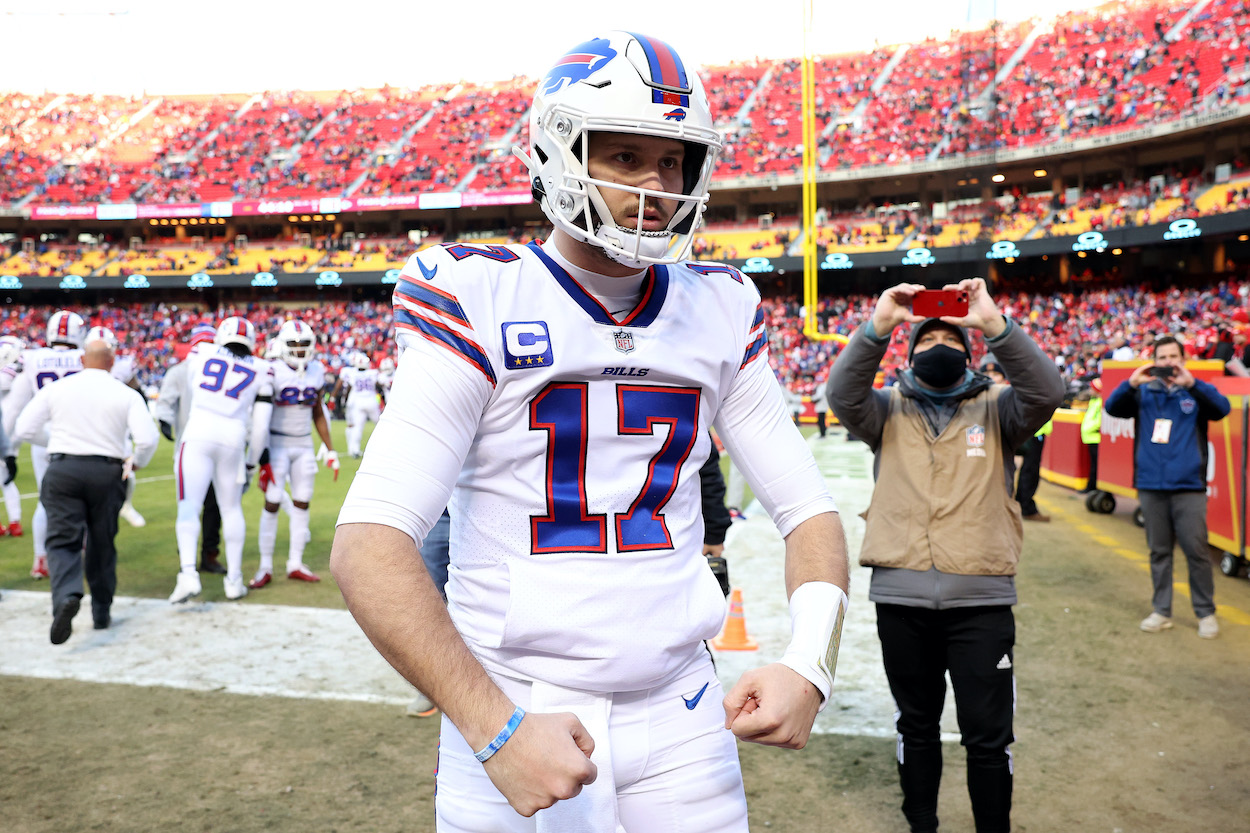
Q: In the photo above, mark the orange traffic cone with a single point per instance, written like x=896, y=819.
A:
x=733, y=637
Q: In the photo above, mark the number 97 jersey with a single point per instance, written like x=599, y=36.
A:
x=223, y=389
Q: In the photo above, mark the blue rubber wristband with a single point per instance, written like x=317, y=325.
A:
x=501, y=738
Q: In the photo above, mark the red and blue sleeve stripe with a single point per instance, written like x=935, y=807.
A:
x=444, y=337
x=757, y=348
x=432, y=299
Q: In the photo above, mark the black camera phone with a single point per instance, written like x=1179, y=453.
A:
x=1165, y=372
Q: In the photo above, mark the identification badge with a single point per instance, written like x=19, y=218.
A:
x=1162, y=432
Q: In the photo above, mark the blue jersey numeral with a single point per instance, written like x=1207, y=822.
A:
x=560, y=409
x=216, y=369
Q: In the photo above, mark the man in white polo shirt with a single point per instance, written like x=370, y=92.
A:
x=83, y=488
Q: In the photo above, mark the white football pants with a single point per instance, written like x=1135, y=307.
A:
x=39, y=525
x=675, y=766
x=358, y=412
x=299, y=464
x=199, y=463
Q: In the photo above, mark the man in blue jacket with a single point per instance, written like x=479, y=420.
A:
x=1171, y=410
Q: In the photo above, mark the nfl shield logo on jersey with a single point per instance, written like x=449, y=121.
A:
x=976, y=440
x=624, y=341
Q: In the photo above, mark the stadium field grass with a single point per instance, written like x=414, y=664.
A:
x=147, y=557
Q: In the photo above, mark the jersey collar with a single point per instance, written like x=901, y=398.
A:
x=650, y=302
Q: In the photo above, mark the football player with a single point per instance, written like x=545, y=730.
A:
x=298, y=381
x=231, y=386
x=386, y=377
x=125, y=371
x=360, y=380
x=173, y=407
x=11, y=349
x=560, y=394
x=43, y=366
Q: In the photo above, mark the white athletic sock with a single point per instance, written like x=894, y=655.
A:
x=233, y=531
x=39, y=530
x=299, y=530
x=13, y=502
x=267, y=539
x=187, y=531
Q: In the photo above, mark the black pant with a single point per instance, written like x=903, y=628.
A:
x=1030, y=475
x=210, y=526
x=82, y=497
x=821, y=417
x=976, y=645
x=1093, y=466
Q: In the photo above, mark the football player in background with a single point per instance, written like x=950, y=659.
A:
x=125, y=371
x=386, y=377
x=173, y=407
x=43, y=366
x=298, y=380
x=360, y=380
x=231, y=387
x=11, y=349
x=560, y=395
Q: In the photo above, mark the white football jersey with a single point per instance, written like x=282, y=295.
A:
x=574, y=440
x=224, y=388
x=41, y=366
x=362, y=385
x=124, y=369
x=295, y=394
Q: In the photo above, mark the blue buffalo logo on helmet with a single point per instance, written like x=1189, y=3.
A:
x=676, y=114
x=582, y=62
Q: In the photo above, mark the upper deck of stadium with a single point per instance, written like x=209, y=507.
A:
x=1115, y=74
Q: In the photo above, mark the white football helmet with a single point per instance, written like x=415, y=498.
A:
x=273, y=350
x=11, y=348
x=236, y=330
x=360, y=361
x=68, y=328
x=387, y=365
x=103, y=334
x=620, y=83
x=296, y=344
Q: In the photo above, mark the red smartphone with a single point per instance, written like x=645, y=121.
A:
x=934, y=303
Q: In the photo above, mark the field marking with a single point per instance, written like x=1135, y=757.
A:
x=153, y=479
x=1226, y=612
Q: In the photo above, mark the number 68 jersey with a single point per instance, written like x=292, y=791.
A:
x=574, y=441
x=224, y=388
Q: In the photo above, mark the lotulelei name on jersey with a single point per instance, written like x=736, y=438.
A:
x=625, y=371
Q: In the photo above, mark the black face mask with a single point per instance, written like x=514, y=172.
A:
x=940, y=366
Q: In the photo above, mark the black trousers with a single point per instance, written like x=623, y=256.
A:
x=1030, y=475
x=821, y=419
x=1093, y=466
x=210, y=526
x=976, y=646
x=82, y=497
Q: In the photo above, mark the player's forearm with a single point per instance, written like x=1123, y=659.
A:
x=323, y=428
x=390, y=594
x=816, y=551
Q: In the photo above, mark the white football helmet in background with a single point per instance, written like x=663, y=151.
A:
x=620, y=83
x=296, y=344
x=103, y=334
x=273, y=350
x=387, y=365
x=360, y=361
x=67, y=328
x=236, y=330
x=11, y=348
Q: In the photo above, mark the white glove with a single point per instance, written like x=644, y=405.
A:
x=128, y=468
x=321, y=453
x=332, y=462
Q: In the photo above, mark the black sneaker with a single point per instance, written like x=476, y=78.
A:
x=212, y=565
x=101, y=619
x=63, y=619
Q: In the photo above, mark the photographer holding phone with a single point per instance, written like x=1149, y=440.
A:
x=1172, y=410
x=943, y=534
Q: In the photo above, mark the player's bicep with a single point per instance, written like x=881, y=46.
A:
x=755, y=425
x=420, y=443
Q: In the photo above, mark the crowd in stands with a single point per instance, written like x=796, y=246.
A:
x=1086, y=72
x=1077, y=326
